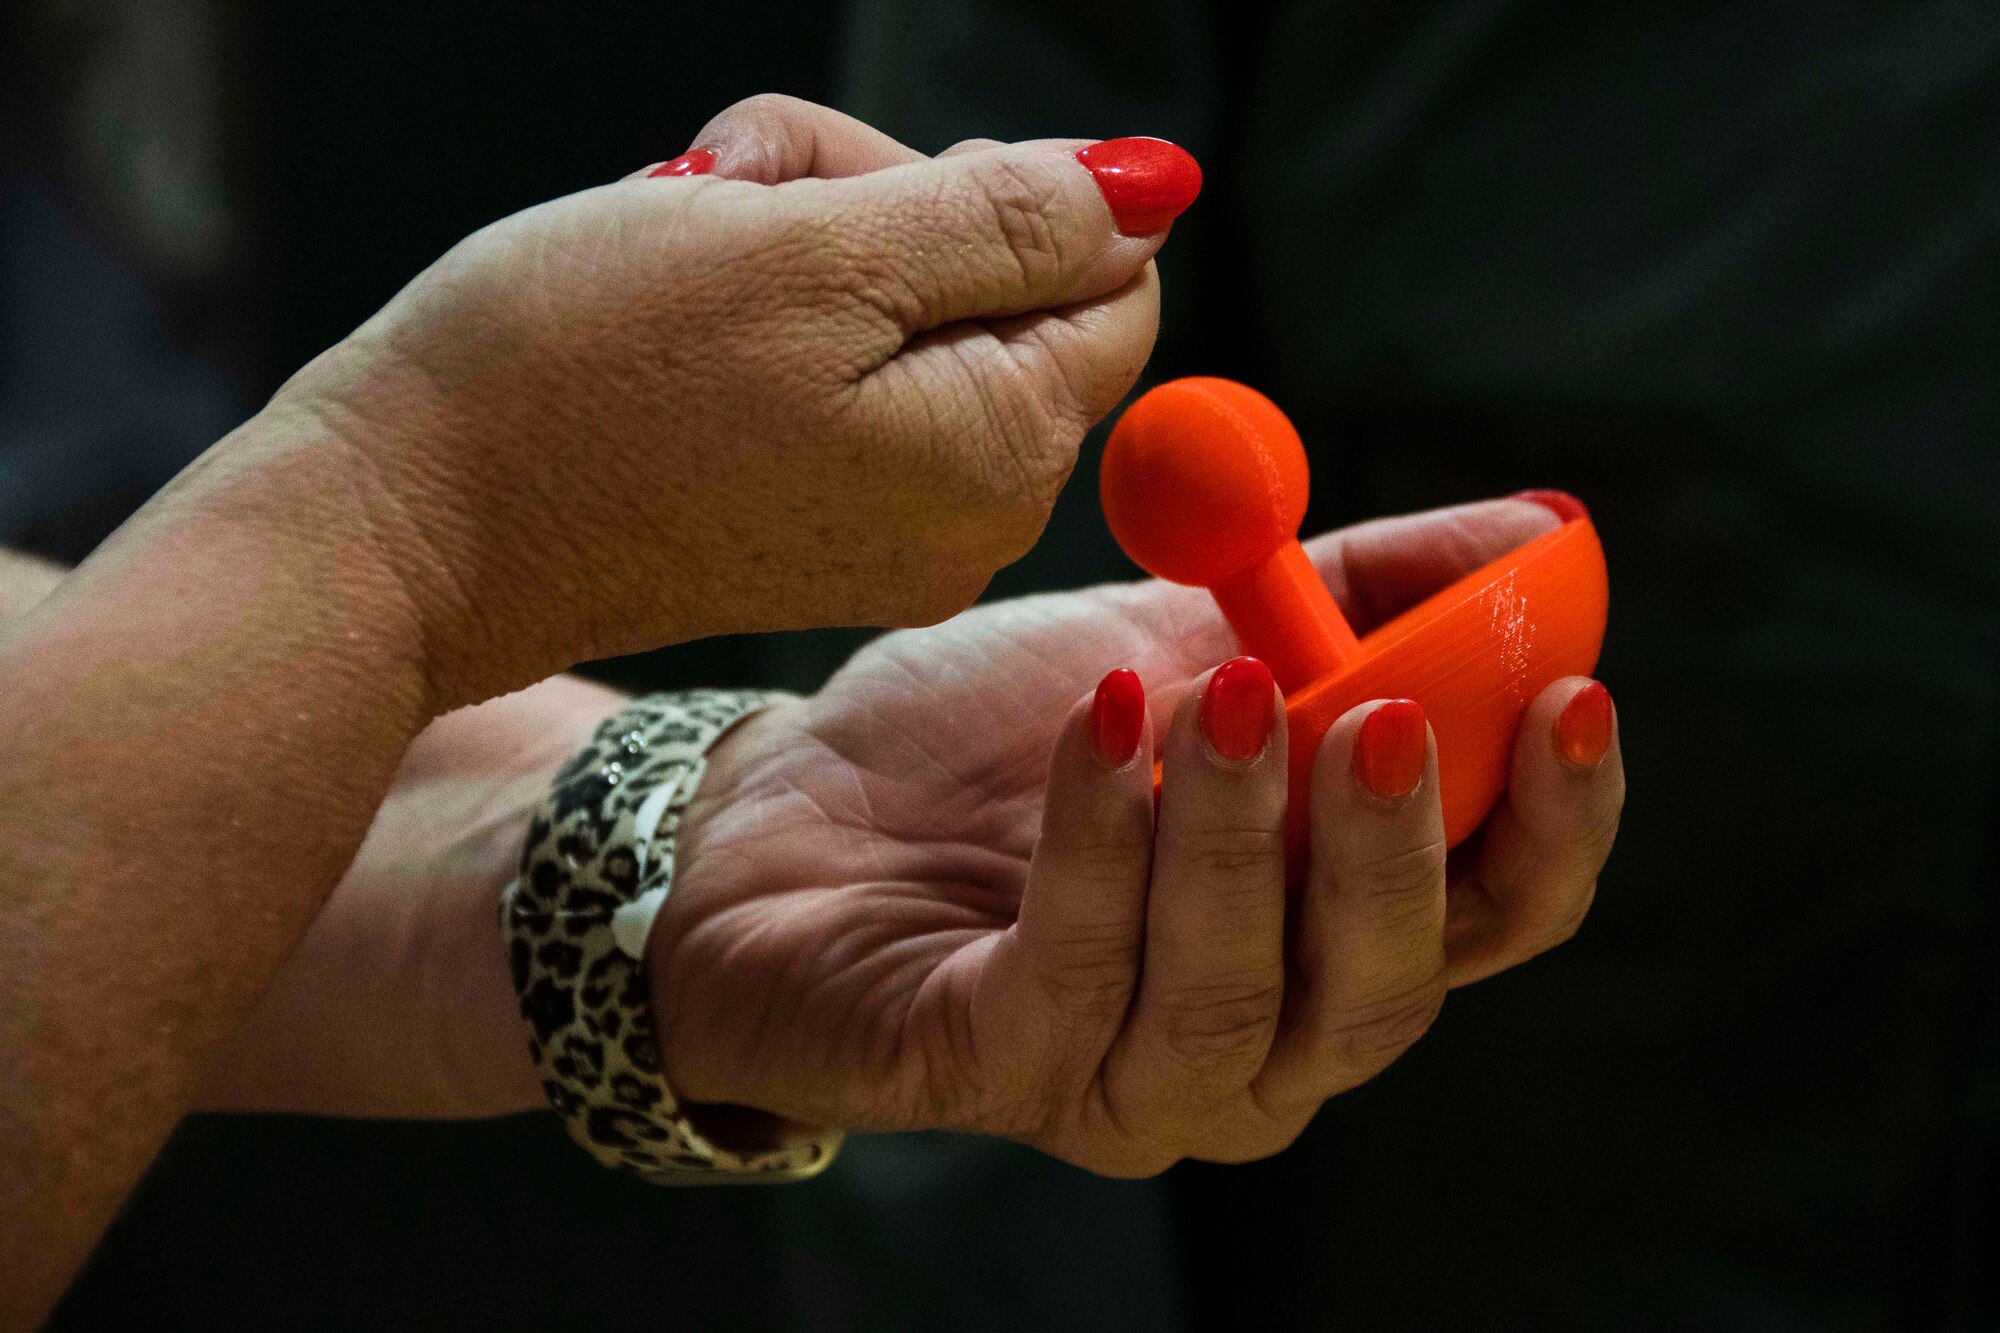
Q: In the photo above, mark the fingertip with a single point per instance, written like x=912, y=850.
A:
x=1392, y=749
x=1584, y=728
x=1239, y=711
x=1082, y=358
x=772, y=139
x=1226, y=748
x=1374, y=784
x=1562, y=504
x=1147, y=182
x=1571, y=727
x=1380, y=751
x=1567, y=772
x=1117, y=720
x=993, y=233
x=694, y=162
x=1092, y=800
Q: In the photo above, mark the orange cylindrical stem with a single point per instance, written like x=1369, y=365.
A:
x=1282, y=612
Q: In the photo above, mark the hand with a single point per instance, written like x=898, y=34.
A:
x=851, y=856
x=674, y=407
x=882, y=921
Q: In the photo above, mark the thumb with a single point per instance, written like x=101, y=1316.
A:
x=1007, y=230
x=1381, y=568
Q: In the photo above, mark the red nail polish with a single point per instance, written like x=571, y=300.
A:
x=1389, y=752
x=1583, y=731
x=694, y=162
x=1118, y=717
x=1147, y=182
x=1560, y=503
x=1238, y=709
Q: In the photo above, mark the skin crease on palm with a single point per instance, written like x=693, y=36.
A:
x=853, y=867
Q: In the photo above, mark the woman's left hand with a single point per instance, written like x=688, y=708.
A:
x=880, y=921
x=894, y=912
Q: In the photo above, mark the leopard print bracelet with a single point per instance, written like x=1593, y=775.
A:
x=598, y=863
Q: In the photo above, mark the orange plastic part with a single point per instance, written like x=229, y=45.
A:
x=1205, y=482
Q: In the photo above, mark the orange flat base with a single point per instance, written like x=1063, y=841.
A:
x=1475, y=655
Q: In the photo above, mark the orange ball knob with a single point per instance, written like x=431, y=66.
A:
x=1203, y=478
x=1204, y=482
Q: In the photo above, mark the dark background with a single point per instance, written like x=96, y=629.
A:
x=1729, y=272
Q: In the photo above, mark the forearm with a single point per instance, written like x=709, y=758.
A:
x=201, y=721
x=397, y=1002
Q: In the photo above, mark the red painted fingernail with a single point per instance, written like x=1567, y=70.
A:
x=694, y=162
x=1118, y=717
x=1583, y=731
x=1147, y=182
x=1389, y=752
x=1238, y=709
x=1560, y=503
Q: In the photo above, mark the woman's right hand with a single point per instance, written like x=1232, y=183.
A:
x=842, y=389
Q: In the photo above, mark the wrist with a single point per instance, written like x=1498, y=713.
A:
x=446, y=458
x=365, y=429
x=259, y=556
x=713, y=871
x=599, y=864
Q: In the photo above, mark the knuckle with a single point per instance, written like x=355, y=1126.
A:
x=1231, y=854
x=1371, y=1035
x=1025, y=208
x=1251, y=1145
x=1025, y=465
x=847, y=261
x=1222, y=1020
x=1404, y=885
x=1040, y=457
x=1601, y=833
x=765, y=106
x=1567, y=928
x=1105, y=858
x=1090, y=964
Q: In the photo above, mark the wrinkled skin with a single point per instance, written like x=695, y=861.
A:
x=892, y=909
x=849, y=943
x=684, y=407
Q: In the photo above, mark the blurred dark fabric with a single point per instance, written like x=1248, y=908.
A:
x=1730, y=273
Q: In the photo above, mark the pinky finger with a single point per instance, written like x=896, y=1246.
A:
x=1535, y=872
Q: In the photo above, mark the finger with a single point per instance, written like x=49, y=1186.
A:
x=1067, y=968
x=771, y=139
x=1033, y=383
x=1002, y=231
x=964, y=146
x=1212, y=982
x=1368, y=962
x=1379, y=569
x=1534, y=873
